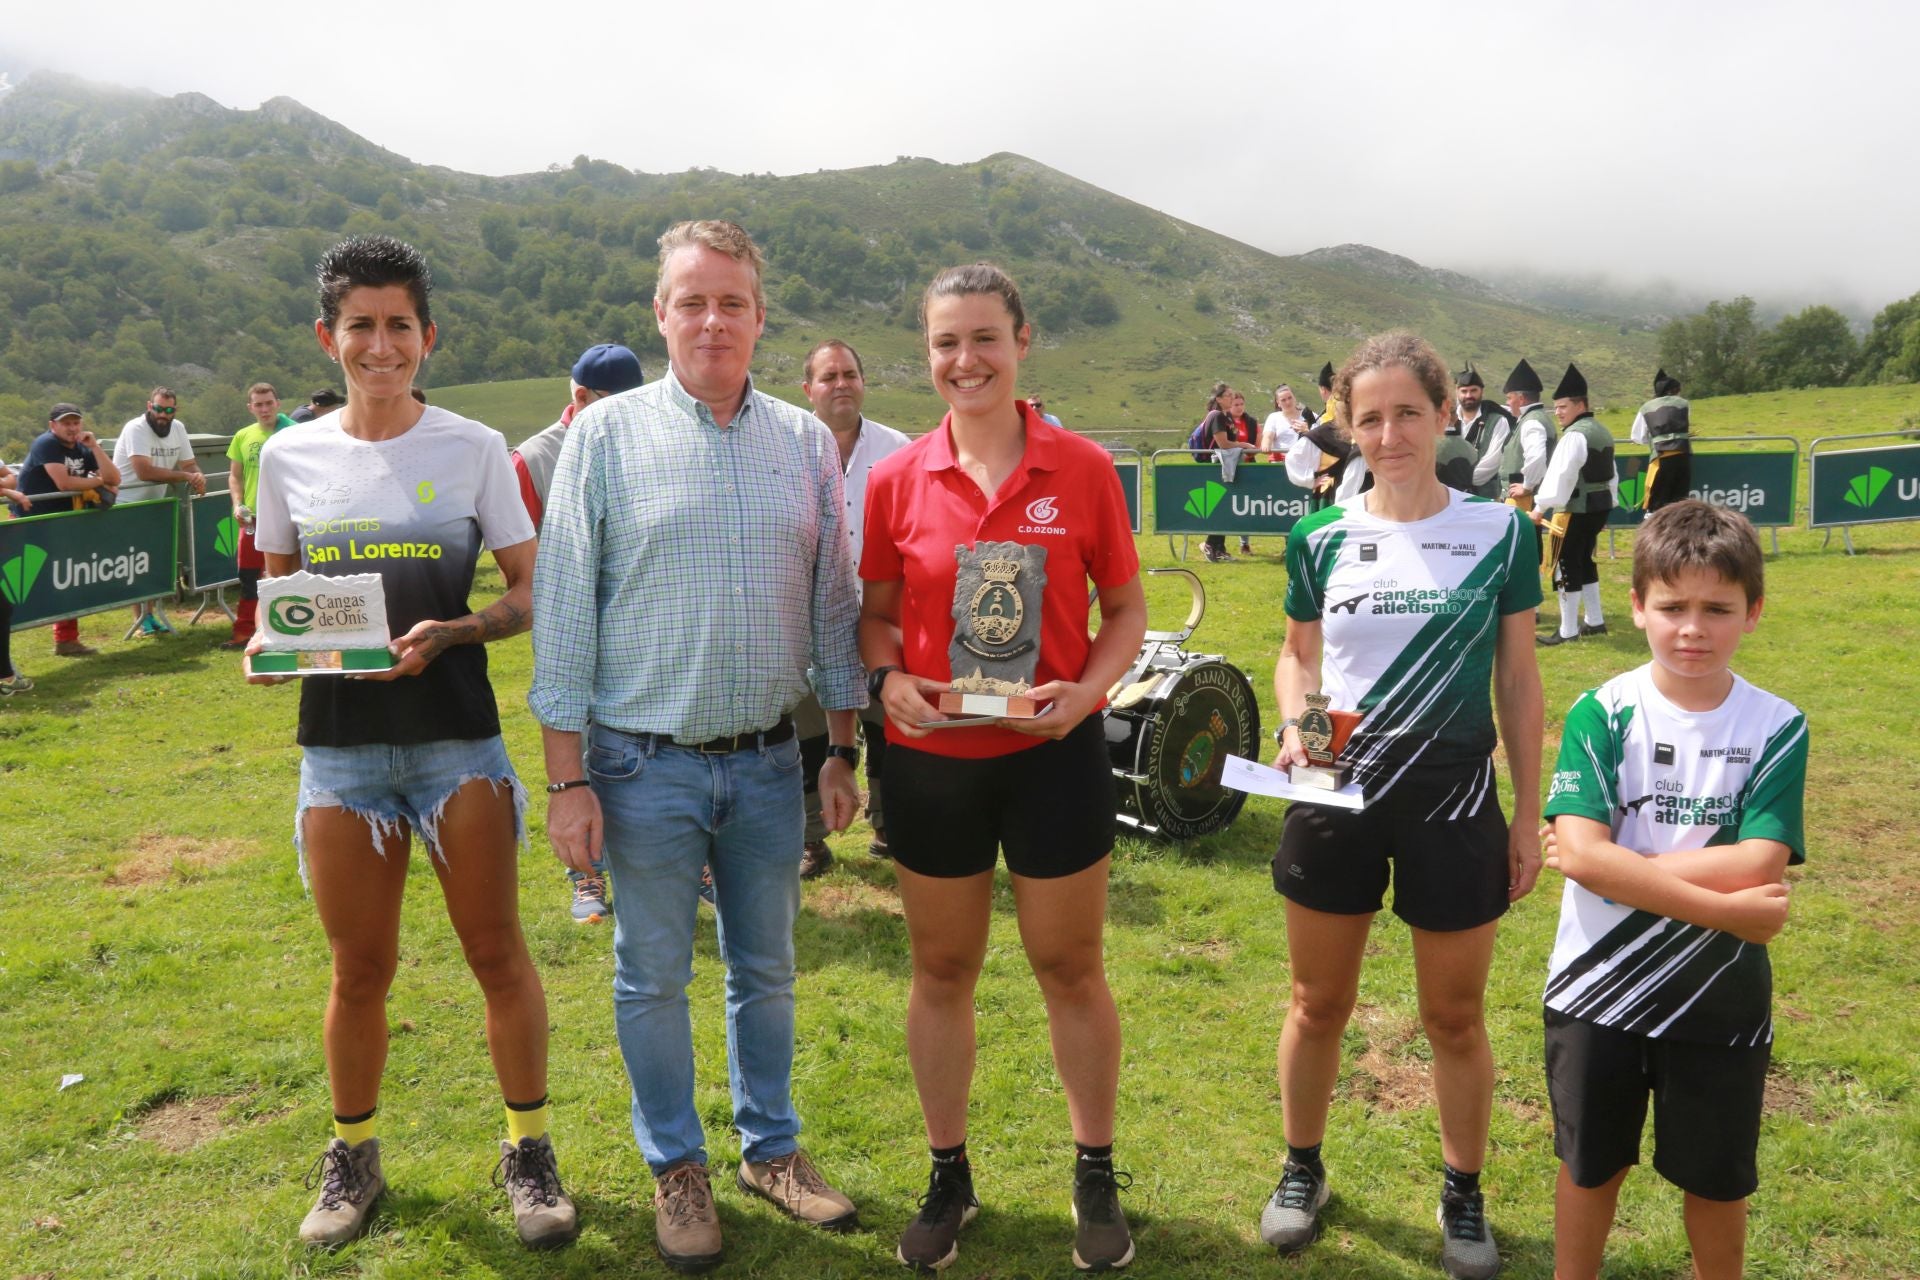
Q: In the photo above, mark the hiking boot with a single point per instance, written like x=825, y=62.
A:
x=73, y=649
x=796, y=1188
x=1101, y=1241
x=1466, y=1245
x=15, y=683
x=931, y=1240
x=1291, y=1220
x=350, y=1181
x=815, y=858
x=589, y=899
x=877, y=847
x=685, y=1226
x=1594, y=629
x=542, y=1214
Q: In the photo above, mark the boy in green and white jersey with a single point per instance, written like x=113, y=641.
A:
x=1676, y=809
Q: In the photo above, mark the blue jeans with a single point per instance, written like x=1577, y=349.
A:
x=669, y=810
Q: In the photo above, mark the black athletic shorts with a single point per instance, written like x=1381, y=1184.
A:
x=1051, y=807
x=1706, y=1106
x=1442, y=831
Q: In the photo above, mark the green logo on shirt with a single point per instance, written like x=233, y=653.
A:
x=291, y=615
x=1203, y=500
x=18, y=575
x=425, y=491
x=1864, y=491
x=226, y=537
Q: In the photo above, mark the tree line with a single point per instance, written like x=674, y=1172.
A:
x=1725, y=350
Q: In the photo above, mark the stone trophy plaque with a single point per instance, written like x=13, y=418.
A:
x=996, y=630
x=1324, y=733
x=315, y=625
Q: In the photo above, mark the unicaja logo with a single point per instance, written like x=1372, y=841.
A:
x=1042, y=511
x=226, y=537
x=18, y=575
x=1203, y=500
x=1863, y=491
x=1633, y=488
x=291, y=615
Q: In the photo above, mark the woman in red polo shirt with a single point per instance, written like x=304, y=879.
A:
x=1041, y=789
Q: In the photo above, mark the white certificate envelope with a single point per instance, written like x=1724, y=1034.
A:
x=1259, y=779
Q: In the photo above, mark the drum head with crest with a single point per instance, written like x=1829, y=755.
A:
x=1170, y=748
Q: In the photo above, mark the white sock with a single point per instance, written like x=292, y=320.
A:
x=1569, y=614
x=1590, y=599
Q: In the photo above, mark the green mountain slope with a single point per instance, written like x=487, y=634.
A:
x=147, y=239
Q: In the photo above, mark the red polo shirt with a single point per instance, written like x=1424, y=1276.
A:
x=1064, y=495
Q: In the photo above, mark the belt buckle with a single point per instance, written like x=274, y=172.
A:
x=717, y=746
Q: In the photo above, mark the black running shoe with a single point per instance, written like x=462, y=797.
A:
x=1101, y=1241
x=931, y=1240
x=1467, y=1251
x=1291, y=1220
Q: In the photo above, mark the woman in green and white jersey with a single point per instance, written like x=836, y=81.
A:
x=1403, y=605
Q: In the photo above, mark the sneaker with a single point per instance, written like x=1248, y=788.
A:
x=1291, y=1220
x=73, y=649
x=150, y=626
x=1548, y=641
x=161, y=627
x=589, y=899
x=15, y=683
x=931, y=1240
x=815, y=858
x=542, y=1214
x=1466, y=1245
x=685, y=1226
x=1595, y=629
x=1101, y=1241
x=878, y=847
x=1246, y=548
x=350, y=1181
x=796, y=1188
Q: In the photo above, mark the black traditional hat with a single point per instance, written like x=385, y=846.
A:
x=1326, y=376
x=1573, y=385
x=1665, y=385
x=1469, y=377
x=1523, y=380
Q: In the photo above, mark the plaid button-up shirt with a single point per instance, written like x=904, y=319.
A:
x=690, y=574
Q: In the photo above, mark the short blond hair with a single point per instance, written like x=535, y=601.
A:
x=729, y=238
x=259, y=387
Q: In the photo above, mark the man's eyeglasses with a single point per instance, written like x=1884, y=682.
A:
x=164, y=408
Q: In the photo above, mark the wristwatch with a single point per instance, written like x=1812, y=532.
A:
x=1291, y=722
x=850, y=754
x=877, y=678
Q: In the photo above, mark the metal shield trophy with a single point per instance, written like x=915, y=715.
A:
x=1324, y=733
x=996, y=629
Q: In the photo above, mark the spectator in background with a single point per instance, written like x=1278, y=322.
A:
x=1571, y=507
x=1663, y=425
x=1218, y=430
x=1485, y=426
x=1040, y=407
x=836, y=386
x=602, y=370
x=1286, y=424
x=243, y=486
x=11, y=681
x=67, y=470
x=319, y=405
x=155, y=448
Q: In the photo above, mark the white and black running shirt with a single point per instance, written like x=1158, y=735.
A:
x=1410, y=615
x=1666, y=780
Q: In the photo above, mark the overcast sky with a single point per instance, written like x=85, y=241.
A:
x=1750, y=146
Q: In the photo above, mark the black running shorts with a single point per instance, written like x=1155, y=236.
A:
x=1439, y=836
x=1706, y=1106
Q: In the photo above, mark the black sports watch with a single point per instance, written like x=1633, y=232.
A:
x=876, y=678
x=850, y=754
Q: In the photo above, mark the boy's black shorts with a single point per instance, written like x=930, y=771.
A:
x=1050, y=807
x=1706, y=1106
x=1443, y=833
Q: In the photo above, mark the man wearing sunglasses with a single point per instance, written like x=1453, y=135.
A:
x=153, y=452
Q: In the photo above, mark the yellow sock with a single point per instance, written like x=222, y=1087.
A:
x=354, y=1130
x=527, y=1120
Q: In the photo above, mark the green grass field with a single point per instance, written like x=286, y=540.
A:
x=155, y=938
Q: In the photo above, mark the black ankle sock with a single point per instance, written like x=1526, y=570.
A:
x=1097, y=1157
x=1461, y=1184
x=1307, y=1158
x=954, y=1155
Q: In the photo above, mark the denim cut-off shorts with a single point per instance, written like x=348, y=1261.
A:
x=387, y=785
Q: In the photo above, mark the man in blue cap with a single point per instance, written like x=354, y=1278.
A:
x=602, y=370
